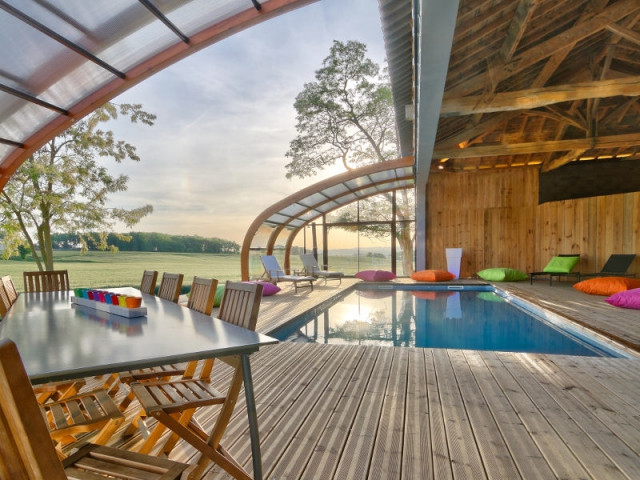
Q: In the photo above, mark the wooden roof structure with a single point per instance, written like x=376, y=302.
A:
x=539, y=83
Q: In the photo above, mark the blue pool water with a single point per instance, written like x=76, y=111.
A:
x=473, y=318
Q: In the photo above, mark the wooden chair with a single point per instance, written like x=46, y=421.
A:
x=203, y=291
x=170, y=286
x=46, y=281
x=173, y=403
x=48, y=391
x=26, y=449
x=10, y=288
x=86, y=412
x=5, y=303
x=201, y=298
x=148, y=283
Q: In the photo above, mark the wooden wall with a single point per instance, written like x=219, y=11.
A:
x=495, y=217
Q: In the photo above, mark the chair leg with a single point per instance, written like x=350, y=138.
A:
x=107, y=432
x=153, y=438
x=185, y=418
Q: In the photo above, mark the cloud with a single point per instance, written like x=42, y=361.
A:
x=214, y=159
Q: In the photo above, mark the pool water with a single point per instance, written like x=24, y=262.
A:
x=476, y=318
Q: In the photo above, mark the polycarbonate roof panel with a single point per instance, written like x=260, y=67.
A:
x=347, y=188
x=191, y=17
x=62, y=58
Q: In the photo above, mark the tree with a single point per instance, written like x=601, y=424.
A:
x=346, y=115
x=64, y=186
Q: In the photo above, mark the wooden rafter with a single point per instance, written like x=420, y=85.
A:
x=611, y=141
x=539, y=97
x=524, y=12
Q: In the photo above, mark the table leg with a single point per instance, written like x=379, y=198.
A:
x=253, y=418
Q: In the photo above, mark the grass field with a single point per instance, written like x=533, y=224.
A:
x=105, y=269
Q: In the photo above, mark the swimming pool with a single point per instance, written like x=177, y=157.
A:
x=470, y=317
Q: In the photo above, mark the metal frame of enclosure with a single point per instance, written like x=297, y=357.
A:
x=290, y=215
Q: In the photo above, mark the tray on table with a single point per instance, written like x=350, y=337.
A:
x=110, y=308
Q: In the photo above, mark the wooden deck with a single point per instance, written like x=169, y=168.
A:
x=355, y=412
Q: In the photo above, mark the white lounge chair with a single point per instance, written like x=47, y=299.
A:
x=312, y=268
x=275, y=274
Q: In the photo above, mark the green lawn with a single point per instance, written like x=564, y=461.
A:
x=106, y=269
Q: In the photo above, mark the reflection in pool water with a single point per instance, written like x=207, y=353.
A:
x=474, y=320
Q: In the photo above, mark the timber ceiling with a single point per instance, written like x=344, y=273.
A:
x=532, y=82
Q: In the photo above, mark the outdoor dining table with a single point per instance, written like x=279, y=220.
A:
x=60, y=340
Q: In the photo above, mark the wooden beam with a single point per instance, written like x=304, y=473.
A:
x=630, y=35
x=560, y=161
x=539, y=97
x=612, y=141
x=524, y=12
x=473, y=131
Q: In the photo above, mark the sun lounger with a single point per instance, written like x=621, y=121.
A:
x=559, y=266
x=312, y=268
x=616, y=266
x=275, y=274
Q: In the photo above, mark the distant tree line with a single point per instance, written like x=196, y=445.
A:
x=143, y=242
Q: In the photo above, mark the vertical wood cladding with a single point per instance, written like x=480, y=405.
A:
x=495, y=217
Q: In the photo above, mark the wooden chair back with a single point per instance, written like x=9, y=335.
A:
x=170, y=286
x=203, y=292
x=26, y=448
x=5, y=303
x=46, y=281
x=149, y=280
x=10, y=288
x=241, y=303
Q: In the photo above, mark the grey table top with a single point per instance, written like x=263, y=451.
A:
x=58, y=340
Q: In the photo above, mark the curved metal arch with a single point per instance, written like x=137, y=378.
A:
x=360, y=183
x=17, y=150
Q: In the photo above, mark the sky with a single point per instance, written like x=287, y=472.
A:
x=215, y=158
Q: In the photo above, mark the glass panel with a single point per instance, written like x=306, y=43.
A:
x=343, y=250
x=328, y=206
x=405, y=249
x=376, y=208
x=387, y=175
x=313, y=200
x=293, y=209
x=336, y=190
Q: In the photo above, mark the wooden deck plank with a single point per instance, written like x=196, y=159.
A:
x=572, y=433
x=463, y=451
x=493, y=449
x=386, y=461
x=590, y=408
x=538, y=426
x=355, y=461
x=299, y=387
x=324, y=395
x=329, y=451
x=524, y=451
x=417, y=452
x=442, y=465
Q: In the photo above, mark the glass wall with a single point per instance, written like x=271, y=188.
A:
x=359, y=236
